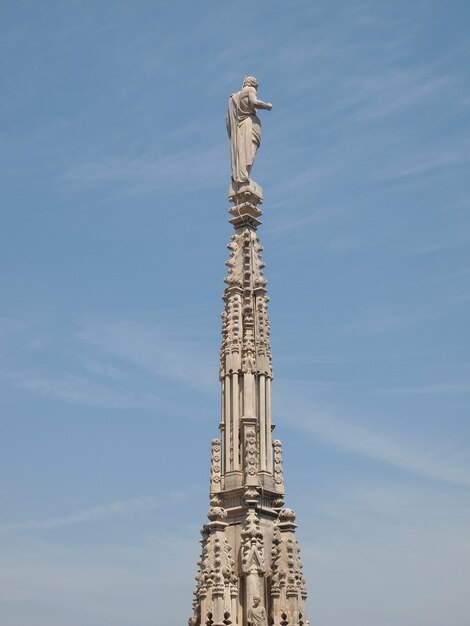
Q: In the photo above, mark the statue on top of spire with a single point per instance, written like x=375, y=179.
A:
x=249, y=572
x=244, y=128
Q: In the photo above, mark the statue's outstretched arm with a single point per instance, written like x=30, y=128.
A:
x=258, y=104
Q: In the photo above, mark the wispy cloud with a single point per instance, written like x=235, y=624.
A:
x=79, y=389
x=434, y=459
x=390, y=92
x=10, y=327
x=376, y=322
x=438, y=388
x=360, y=440
x=287, y=224
x=90, y=514
x=423, y=163
x=195, y=169
x=154, y=348
x=453, y=234
x=99, y=357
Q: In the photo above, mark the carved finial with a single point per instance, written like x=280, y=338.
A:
x=287, y=515
x=217, y=514
x=251, y=495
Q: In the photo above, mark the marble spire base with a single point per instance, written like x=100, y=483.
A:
x=249, y=190
x=245, y=197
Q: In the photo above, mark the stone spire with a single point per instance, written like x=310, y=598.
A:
x=250, y=573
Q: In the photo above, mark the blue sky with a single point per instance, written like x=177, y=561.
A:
x=114, y=177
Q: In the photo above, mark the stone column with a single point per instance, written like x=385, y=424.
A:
x=262, y=422
x=269, y=422
x=236, y=422
x=228, y=424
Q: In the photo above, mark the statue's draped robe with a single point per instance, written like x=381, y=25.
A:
x=244, y=130
x=257, y=616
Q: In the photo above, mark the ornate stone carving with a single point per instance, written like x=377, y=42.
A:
x=235, y=262
x=215, y=466
x=257, y=614
x=245, y=320
x=262, y=582
x=216, y=575
x=287, y=515
x=251, y=458
x=252, y=544
x=248, y=361
x=278, y=467
x=217, y=514
x=287, y=581
x=263, y=351
x=259, y=282
x=295, y=578
x=251, y=495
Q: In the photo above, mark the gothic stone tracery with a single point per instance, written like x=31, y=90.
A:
x=250, y=570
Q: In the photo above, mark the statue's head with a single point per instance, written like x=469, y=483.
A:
x=256, y=601
x=250, y=81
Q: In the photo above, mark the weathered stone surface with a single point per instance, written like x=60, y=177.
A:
x=244, y=129
x=250, y=573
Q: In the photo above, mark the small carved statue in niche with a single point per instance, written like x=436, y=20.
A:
x=244, y=128
x=257, y=614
